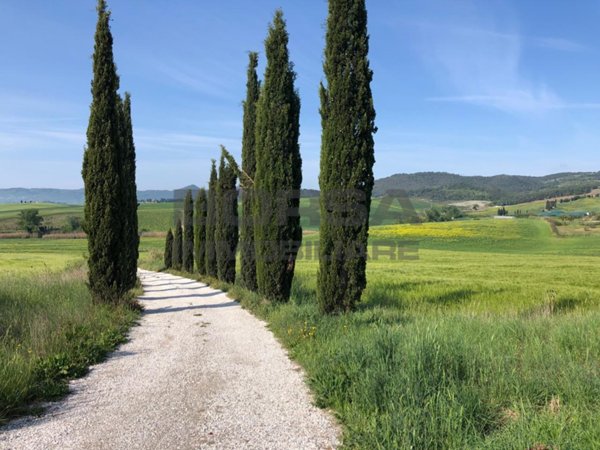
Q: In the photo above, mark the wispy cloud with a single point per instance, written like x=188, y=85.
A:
x=40, y=140
x=196, y=79
x=559, y=44
x=177, y=145
x=482, y=63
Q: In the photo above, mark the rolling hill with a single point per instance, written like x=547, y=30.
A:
x=500, y=189
x=434, y=186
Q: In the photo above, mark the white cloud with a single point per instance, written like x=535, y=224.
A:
x=481, y=62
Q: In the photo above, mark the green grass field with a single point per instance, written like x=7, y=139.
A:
x=487, y=340
x=158, y=217
x=50, y=331
x=152, y=216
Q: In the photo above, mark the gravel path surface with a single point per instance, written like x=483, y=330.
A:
x=199, y=372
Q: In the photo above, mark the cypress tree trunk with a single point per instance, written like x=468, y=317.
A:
x=200, y=231
x=178, y=247
x=102, y=172
x=347, y=157
x=247, y=251
x=188, y=232
x=211, y=217
x=169, y=250
x=278, y=170
x=131, y=237
x=226, y=234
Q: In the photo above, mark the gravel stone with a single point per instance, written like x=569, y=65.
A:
x=199, y=372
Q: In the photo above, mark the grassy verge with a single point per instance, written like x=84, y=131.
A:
x=459, y=349
x=50, y=332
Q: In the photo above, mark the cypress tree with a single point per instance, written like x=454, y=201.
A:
x=226, y=233
x=247, y=251
x=178, y=247
x=188, y=232
x=278, y=170
x=211, y=217
x=200, y=231
x=347, y=157
x=169, y=250
x=131, y=238
x=102, y=172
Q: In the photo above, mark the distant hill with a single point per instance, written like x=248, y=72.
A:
x=436, y=186
x=500, y=189
x=76, y=196
x=71, y=196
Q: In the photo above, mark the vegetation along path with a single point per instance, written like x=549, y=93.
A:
x=199, y=372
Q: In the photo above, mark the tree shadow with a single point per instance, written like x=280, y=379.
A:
x=451, y=297
x=382, y=295
x=175, y=288
x=171, y=309
x=190, y=296
x=170, y=283
x=567, y=304
x=117, y=354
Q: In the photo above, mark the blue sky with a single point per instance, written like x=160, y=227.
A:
x=471, y=87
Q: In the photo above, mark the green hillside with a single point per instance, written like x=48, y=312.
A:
x=500, y=189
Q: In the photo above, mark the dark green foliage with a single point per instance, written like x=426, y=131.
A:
x=278, y=170
x=347, y=157
x=102, y=171
x=131, y=238
x=211, y=218
x=177, y=263
x=226, y=233
x=188, y=232
x=30, y=220
x=169, y=250
x=443, y=214
x=200, y=231
x=247, y=251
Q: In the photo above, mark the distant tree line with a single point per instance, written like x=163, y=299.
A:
x=443, y=214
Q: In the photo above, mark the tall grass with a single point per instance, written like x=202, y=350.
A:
x=50, y=331
x=458, y=349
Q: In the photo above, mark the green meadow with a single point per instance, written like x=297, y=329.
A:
x=152, y=216
x=158, y=217
x=487, y=340
x=50, y=331
x=483, y=335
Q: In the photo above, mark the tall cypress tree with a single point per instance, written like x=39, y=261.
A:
x=188, y=232
x=211, y=217
x=178, y=246
x=347, y=157
x=226, y=233
x=131, y=239
x=102, y=171
x=169, y=250
x=200, y=231
x=247, y=251
x=278, y=170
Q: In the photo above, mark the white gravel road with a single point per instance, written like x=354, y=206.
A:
x=199, y=372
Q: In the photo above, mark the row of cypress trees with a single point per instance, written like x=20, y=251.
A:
x=109, y=177
x=271, y=172
x=207, y=239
